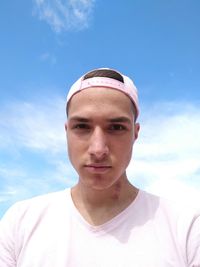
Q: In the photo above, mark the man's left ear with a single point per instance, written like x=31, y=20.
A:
x=136, y=130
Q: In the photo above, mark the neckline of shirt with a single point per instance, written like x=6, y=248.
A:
x=110, y=224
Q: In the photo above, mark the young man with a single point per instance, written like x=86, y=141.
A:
x=103, y=221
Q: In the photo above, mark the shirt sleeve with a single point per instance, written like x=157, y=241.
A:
x=8, y=226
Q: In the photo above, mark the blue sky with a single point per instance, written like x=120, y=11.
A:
x=47, y=44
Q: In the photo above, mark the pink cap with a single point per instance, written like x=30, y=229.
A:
x=127, y=87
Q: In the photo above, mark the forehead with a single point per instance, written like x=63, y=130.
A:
x=101, y=100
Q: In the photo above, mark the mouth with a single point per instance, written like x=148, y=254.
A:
x=97, y=168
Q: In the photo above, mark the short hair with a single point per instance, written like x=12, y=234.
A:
x=104, y=73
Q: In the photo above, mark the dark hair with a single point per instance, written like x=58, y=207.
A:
x=104, y=73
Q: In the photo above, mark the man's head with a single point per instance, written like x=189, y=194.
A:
x=101, y=127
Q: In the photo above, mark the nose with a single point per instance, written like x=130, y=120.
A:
x=98, y=147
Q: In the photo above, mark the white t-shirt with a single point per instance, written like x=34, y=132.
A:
x=48, y=231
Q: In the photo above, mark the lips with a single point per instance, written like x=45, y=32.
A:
x=97, y=168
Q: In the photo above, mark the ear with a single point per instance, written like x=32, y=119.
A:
x=136, y=130
x=66, y=126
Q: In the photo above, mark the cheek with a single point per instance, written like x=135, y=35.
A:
x=123, y=149
x=73, y=155
x=128, y=147
x=75, y=147
x=71, y=147
x=128, y=152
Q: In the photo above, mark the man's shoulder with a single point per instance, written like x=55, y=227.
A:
x=44, y=199
x=38, y=205
x=178, y=210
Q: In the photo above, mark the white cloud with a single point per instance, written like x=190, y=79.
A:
x=64, y=15
x=166, y=156
x=37, y=126
x=9, y=178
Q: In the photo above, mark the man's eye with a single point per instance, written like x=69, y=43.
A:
x=81, y=126
x=117, y=127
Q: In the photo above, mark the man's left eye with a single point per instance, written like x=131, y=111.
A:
x=117, y=127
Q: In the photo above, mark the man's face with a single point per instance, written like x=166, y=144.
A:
x=100, y=136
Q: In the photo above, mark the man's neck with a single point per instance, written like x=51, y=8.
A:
x=99, y=206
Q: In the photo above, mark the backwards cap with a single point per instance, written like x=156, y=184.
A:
x=127, y=87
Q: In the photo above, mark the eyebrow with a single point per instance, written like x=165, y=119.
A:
x=79, y=119
x=116, y=119
x=120, y=119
